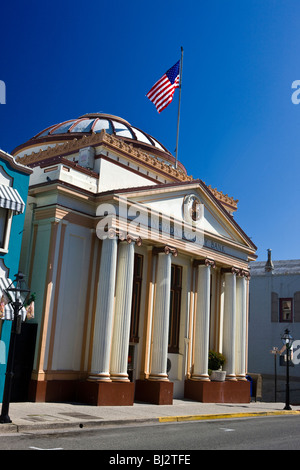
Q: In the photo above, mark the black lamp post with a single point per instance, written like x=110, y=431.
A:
x=287, y=340
x=17, y=293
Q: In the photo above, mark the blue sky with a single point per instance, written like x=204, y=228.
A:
x=239, y=130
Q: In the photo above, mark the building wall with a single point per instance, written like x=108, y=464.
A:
x=264, y=334
x=266, y=329
x=62, y=255
x=11, y=258
x=69, y=329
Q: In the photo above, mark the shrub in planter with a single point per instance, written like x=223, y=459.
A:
x=216, y=360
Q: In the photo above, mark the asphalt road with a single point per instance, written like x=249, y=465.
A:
x=268, y=433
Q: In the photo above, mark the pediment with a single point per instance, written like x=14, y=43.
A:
x=176, y=201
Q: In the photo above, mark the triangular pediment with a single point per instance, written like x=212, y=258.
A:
x=176, y=201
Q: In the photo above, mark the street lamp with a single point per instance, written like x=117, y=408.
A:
x=287, y=340
x=17, y=293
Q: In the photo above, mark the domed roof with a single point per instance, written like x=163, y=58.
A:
x=94, y=123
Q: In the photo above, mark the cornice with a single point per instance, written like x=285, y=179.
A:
x=14, y=163
x=74, y=145
x=224, y=198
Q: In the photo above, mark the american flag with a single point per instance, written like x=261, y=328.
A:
x=161, y=94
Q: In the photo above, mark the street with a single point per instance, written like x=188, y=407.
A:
x=265, y=433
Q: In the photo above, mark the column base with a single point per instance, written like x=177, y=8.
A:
x=241, y=377
x=42, y=391
x=154, y=391
x=217, y=392
x=231, y=378
x=100, y=393
x=200, y=378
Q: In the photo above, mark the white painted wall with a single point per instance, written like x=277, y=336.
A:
x=72, y=299
x=112, y=176
x=264, y=334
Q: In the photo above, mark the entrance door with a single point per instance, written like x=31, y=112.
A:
x=23, y=364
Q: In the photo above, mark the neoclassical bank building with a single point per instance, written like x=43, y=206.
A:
x=139, y=270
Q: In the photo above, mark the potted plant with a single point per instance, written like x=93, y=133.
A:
x=216, y=361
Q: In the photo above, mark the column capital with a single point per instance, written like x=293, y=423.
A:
x=206, y=262
x=129, y=238
x=232, y=270
x=123, y=236
x=165, y=249
x=244, y=273
x=237, y=271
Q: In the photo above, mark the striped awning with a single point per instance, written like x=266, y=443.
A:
x=8, y=313
x=11, y=199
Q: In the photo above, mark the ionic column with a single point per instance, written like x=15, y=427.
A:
x=241, y=322
x=229, y=323
x=161, y=315
x=104, y=311
x=120, y=340
x=201, y=345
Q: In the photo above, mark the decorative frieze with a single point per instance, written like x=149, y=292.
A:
x=226, y=200
x=74, y=145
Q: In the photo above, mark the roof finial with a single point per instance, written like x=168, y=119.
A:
x=269, y=266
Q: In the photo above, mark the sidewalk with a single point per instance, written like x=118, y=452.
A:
x=28, y=417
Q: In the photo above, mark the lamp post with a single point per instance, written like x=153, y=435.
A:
x=17, y=293
x=287, y=340
x=275, y=351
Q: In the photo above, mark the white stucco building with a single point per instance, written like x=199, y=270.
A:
x=138, y=269
x=274, y=307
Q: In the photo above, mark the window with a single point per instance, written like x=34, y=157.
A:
x=136, y=298
x=175, y=304
x=5, y=224
x=285, y=310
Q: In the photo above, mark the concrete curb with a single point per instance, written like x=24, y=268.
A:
x=89, y=425
x=59, y=427
x=165, y=419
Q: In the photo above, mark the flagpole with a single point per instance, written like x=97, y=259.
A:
x=178, y=118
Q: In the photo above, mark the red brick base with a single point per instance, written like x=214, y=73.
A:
x=155, y=392
x=90, y=392
x=52, y=390
x=106, y=393
x=218, y=392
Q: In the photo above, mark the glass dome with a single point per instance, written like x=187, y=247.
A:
x=94, y=123
x=91, y=124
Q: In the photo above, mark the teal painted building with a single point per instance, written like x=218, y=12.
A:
x=14, y=182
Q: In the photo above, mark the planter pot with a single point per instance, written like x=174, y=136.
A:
x=218, y=376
